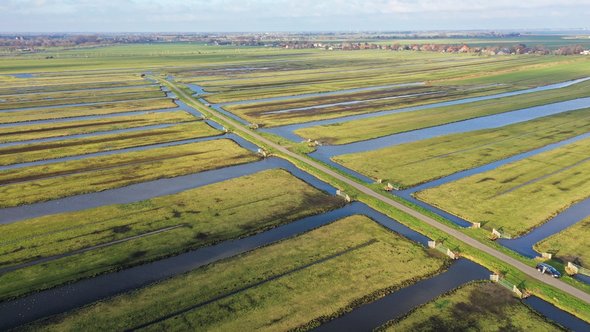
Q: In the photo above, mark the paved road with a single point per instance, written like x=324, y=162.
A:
x=532, y=272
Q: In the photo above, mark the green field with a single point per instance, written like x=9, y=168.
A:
x=398, y=98
x=67, y=83
x=414, y=163
x=74, y=111
x=475, y=307
x=74, y=95
x=57, y=129
x=352, y=131
x=570, y=245
x=522, y=195
x=89, y=99
x=81, y=146
x=203, y=216
x=304, y=280
x=307, y=279
x=361, y=69
x=29, y=185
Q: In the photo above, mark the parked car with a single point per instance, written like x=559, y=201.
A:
x=550, y=270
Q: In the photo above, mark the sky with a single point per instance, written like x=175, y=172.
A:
x=284, y=15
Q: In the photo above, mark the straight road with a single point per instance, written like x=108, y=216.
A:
x=530, y=271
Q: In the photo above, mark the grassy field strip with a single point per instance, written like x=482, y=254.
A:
x=543, y=177
x=83, y=250
x=477, y=306
x=259, y=283
x=569, y=245
x=57, y=84
x=66, y=95
x=89, y=100
x=29, y=185
x=95, y=134
x=124, y=150
x=342, y=133
x=77, y=111
x=82, y=146
x=329, y=111
x=308, y=102
x=69, y=87
x=207, y=214
x=358, y=274
x=321, y=94
x=48, y=82
x=154, y=96
x=418, y=162
x=533, y=75
x=544, y=185
x=59, y=129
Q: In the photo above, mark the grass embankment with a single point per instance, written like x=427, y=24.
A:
x=407, y=97
x=30, y=185
x=474, y=307
x=206, y=215
x=58, y=129
x=90, y=98
x=569, y=245
x=521, y=195
x=347, y=132
x=72, y=147
x=74, y=111
x=298, y=282
x=413, y=163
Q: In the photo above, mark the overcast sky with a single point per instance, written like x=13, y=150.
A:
x=284, y=15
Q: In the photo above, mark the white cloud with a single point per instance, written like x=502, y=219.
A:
x=286, y=14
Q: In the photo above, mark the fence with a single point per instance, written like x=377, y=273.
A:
x=343, y=195
x=507, y=284
x=443, y=249
x=577, y=269
x=496, y=234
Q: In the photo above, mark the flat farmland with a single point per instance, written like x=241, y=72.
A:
x=358, y=130
x=478, y=307
x=90, y=97
x=48, y=96
x=296, y=283
x=395, y=71
x=414, y=163
x=57, y=129
x=66, y=83
x=328, y=107
x=130, y=234
x=522, y=195
x=137, y=212
x=82, y=146
x=29, y=185
x=88, y=110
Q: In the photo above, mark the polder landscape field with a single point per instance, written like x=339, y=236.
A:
x=187, y=186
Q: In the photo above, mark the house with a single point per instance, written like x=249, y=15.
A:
x=464, y=49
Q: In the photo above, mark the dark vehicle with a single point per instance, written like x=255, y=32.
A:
x=546, y=268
